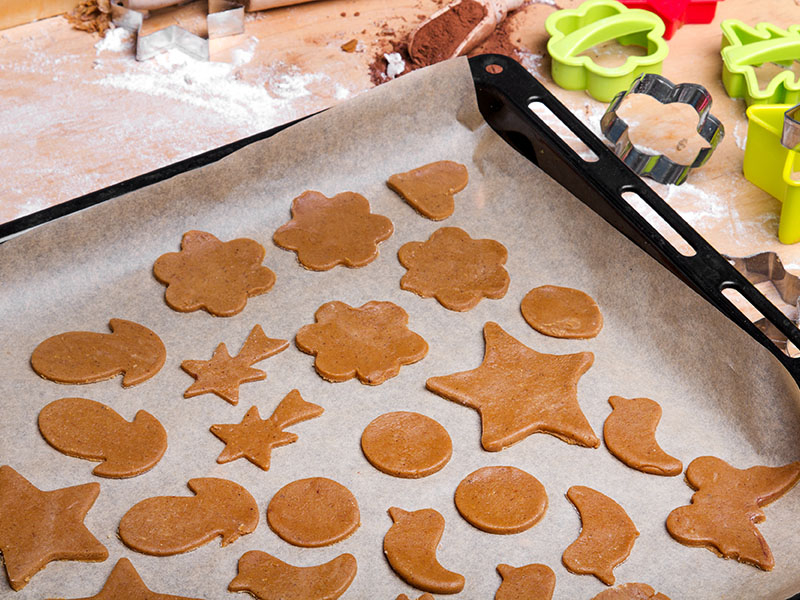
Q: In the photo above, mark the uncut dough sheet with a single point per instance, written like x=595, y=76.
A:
x=722, y=394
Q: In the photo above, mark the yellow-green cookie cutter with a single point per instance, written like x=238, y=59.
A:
x=594, y=22
x=744, y=47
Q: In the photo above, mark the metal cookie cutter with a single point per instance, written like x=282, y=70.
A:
x=594, y=22
x=745, y=47
x=676, y=13
x=658, y=166
x=224, y=18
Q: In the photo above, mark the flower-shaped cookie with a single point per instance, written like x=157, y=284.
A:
x=213, y=275
x=370, y=342
x=326, y=232
x=455, y=269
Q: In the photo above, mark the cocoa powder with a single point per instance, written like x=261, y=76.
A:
x=438, y=39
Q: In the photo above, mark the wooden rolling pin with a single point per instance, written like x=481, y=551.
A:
x=250, y=5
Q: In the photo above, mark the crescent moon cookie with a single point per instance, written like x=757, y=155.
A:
x=429, y=189
x=326, y=232
x=562, y=312
x=216, y=276
x=531, y=582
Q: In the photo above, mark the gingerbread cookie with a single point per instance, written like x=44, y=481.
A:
x=313, y=512
x=630, y=591
x=94, y=431
x=531, y=582
x=268, y=578
x=562, y=312
x=606, y=539
x=326, y=232
x=222, y=375
x=124, y=583
x=87, y=357
x=370, y=342
x=424, y=596
x=455, y=269
x=406, y=444
x=630, y=435
x=255, y=438
x=501, y=500
x=39, y=527
x=410, y=547
x=216, y=276
x=519, y=391
x=429, y=189
x=167, y=525
x=726, y=507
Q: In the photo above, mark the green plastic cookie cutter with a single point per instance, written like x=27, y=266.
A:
x=594, y=22
x=744, y=48
x=769, y=164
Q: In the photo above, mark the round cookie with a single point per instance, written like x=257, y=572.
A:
x=406, y=444
x=501, y=500
x=562, y=312
x=313, y=512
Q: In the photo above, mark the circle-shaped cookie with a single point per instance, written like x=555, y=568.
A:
x=562, y=312
x=313, y=512
x=406, y=444
x=501, y=499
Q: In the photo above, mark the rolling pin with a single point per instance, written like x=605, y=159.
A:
x=250, y=5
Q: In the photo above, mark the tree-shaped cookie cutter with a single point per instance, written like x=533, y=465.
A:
x=660, y=167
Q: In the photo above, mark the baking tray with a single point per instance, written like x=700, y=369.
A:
x=65, y=250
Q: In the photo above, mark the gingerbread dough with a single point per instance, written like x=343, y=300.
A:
x=429, y=189
x=531, y=582
x=630, y=591
x=87, y=357
x=562, y=312
x=410, y=547
x=313, y=512
x=167, y=525
x=255, y=438
x=38, y=527
x=726, y=507
x=94, y=431
x=455, y=269
x=607, y=535
x=370, y=342
x=630, y=435
x=213, y=275
x=406, y=444
x=268, y=578
x=501, y=500
x=326, y=232
x=519, y=391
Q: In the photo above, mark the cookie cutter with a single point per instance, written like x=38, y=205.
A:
x=677, y=13
x=660, y=167
x=573, y=31
x=225, y=17
x=744, y=48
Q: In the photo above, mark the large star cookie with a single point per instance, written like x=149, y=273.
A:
x=519, y=391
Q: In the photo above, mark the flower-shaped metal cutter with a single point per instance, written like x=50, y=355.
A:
x=658, y=166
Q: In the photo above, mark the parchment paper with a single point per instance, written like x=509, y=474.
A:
x=722, y=394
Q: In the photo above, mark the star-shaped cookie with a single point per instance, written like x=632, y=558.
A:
x=223, y=374
x=519, y=391
x=38, y=527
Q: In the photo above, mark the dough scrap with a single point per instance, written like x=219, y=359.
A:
x=518, y=391
x=429, y=189
x=562, y=312
x=268, y=578
x=91, y=430
x=406, y=444
x=216, y=276
x=37, y=527
x=254, y=438
x=630, y=435
x=167, y=525
x=606, y=539
x=630, y=591
x=313, y=512
x=370, y=342
x=223, y=374
x=87, y=357
x=410, y=547
x=326, y=232
x=726, y=507
x=455, y=269
x=531, y=582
